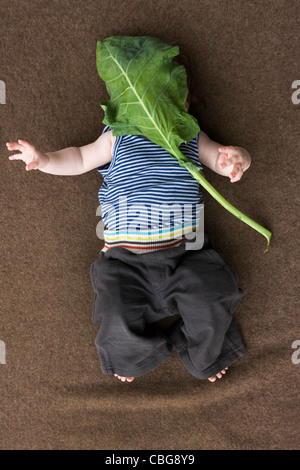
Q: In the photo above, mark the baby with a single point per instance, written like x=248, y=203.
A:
x=154, y=293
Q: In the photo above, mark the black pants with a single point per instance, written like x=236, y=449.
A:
x=133, y=293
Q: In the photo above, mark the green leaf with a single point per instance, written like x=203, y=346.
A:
x=147, y=91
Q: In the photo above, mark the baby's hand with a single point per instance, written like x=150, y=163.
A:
x=33, y=158
x=233, y=161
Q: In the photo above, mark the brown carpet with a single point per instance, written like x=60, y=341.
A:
x=245, y=57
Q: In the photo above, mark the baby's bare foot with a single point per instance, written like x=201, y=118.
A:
x=219, y=375
x=124, y=379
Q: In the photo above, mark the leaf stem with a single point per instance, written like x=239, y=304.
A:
x=197, y=174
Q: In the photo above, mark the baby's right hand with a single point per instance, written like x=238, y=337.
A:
x=33, y=158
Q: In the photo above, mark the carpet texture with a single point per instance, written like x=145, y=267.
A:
x=245, y=58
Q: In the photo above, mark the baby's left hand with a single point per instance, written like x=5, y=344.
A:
x=232, y=162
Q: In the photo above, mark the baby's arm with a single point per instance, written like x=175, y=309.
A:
x=68, y=161
x=226, y=161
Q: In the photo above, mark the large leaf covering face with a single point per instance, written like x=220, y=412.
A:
x=148, y=89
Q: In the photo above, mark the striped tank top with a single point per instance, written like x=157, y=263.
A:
x=148, y=201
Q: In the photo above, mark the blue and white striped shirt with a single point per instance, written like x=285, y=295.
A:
x=145, y=189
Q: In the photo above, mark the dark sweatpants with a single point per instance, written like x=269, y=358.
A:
x=134, y=292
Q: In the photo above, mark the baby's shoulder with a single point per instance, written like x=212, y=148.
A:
x=113, y=139
x=109, y=138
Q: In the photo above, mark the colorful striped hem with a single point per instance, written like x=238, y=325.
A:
x=148, y=240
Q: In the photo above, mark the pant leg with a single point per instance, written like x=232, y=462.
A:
x=206, y=294
x=128, y=344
